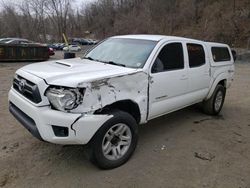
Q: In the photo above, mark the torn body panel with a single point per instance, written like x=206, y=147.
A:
x=103, y=92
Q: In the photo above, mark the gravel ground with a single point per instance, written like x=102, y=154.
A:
x=183, y=149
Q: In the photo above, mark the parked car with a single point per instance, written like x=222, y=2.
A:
x=61, y=46
x=15, y=41
x=57, y=46
x=92, y=42
x=96, y=42
x=53, y=46
x=124, y=81
x=51, y=52
x=3, y=40
x=80, y=41
x=76, y=40
x=72, y=48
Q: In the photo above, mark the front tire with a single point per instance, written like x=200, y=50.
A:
x=115, y=141
x=214, y=104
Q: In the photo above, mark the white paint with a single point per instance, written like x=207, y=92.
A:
x=73, y=48
x=74, y=72
x=105, y=84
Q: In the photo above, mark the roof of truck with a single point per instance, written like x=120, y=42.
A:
x=154, y=37
x=161, y=37
x=216, y=44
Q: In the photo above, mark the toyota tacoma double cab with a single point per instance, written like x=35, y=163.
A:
x=100, y=99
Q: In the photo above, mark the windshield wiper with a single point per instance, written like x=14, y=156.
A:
x=114, y=63
x=89, y=58
x=107, y=62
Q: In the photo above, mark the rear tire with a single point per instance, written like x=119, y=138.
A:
x=214, y=104
x=115, y=141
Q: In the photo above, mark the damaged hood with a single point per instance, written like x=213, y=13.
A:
x=72, y=72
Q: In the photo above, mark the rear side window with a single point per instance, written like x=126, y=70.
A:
x=220, y=54
x=196, y=55
x=170, y=58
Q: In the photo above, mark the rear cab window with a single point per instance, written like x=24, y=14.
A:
x=196, y=55
x=220, y=54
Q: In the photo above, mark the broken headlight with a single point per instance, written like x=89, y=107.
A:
x=64, y=99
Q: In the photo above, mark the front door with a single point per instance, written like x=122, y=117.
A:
x=168, y=80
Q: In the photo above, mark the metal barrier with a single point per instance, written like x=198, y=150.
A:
x=23, y=52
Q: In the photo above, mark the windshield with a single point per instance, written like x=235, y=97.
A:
x=125, y=52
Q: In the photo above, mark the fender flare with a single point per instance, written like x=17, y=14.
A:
x=220, y=77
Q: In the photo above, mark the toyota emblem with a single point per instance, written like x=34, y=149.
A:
x=21, y=85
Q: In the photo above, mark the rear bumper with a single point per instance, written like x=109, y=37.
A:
x=40, y=121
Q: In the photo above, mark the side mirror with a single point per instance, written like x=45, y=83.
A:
x=234, y=55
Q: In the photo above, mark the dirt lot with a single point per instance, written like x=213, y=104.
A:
x=183, y=149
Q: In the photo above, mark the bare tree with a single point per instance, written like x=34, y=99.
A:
x=40, y=20
x=57, y=11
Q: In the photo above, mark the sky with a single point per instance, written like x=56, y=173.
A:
x=77, y=3
x=80, y=2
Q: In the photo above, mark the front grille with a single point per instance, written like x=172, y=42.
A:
x=27, y=88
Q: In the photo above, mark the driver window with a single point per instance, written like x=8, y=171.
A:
x=170, y=58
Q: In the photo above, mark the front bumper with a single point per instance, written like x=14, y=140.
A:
x=39, y=121
x=25, y=120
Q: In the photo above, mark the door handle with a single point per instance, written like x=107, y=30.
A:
x=183, y=77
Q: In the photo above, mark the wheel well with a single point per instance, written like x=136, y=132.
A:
x=125, y=105
x=223, y=83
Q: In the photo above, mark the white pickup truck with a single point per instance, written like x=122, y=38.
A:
x=124, y=81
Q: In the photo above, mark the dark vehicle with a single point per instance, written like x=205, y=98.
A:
x=53, y=46
x=61, y=46
x=85, y=42
x=57, y=46
x=90, y=41
x=51, y=52
x=93, y=42
x=81, y=41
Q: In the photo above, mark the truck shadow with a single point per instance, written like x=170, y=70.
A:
x=156, y=129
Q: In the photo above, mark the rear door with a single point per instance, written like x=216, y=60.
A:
x=198, y=71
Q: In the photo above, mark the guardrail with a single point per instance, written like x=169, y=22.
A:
x=23, y=52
